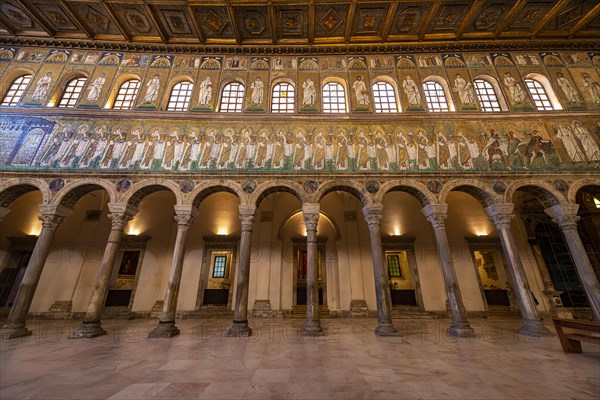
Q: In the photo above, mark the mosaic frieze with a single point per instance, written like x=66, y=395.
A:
x=187, y=146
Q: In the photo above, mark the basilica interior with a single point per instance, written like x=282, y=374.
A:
x=308, y=199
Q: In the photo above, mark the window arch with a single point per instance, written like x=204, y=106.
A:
x=127, y=94
x=486, y=95
x=232, y=97
x=541, y=92
x=384, y=97
x=334, y=98
x=16, y=90
x=283, y=98
x=435, y=95
x=179, y=99
x=72, y=93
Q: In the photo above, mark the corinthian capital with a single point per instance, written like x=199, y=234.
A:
x=51, y=221
x=436, y=215
x=310, y=212
x=247, y=213
x=565, y=215
x=501, y=214
x=373, y=214
x=119, y=220
x=184, y=220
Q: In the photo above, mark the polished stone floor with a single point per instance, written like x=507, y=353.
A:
x=350, y=362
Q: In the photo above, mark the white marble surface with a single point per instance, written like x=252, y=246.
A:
x=350, y=362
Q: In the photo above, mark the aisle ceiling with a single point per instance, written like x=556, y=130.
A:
x=293, y=24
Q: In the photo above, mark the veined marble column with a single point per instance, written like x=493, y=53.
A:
x=310, y=212
x=373, y=214
x=436, y=215
x=52, y=216
x=184, y=215
x=240, y=317
x=565, y=215
x=120, y=215
x=502, y=215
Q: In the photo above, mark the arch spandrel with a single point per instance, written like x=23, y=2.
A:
x=264, y=189
x=544, y=192
x=576, y=186
x=355, y=188
x=12, y=189
x=77, y=188
x=478, y=189
x=143, y=188
x=413, y=187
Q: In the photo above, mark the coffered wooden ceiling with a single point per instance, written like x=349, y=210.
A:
x=292, y=25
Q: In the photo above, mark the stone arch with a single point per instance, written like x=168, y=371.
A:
x=148, y=186
x=265, y=189
x=475, y=188
x=578, y=185
x=445, y=86
x=75, y=190
x=11, y=76
x=204, y=190
x=119, y=81
x=62, y=83
x=14, y=188
x=353, y=188
x=415, y=188
x=171, y=84
x=547, y=195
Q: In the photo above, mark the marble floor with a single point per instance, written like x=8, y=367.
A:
x=350, y=362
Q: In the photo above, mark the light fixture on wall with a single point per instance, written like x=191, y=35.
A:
x=222, y=231
x=35, y=229
x=133, y=231
x=396, y=231
x=481, y=233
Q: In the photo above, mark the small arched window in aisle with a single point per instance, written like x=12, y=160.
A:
x=180, y=96
x=488, y=100
x=232, y=97
x=334, y=98
x=384, y=97
x=435, y=97
x=283, y=98
x=539, y=95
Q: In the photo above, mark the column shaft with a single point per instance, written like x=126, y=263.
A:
x=166, y=326
x=373, y=214
x=310, y=213
x=90, y=326
x=565, y=215
x=240, y=317
x=436, y=214
x=15, y=324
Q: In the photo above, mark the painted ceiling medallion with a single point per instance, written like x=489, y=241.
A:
x=254, y=23
x=369, y=20
x=215, y=22
x=137, y=20
x=530, y=15
x=330, y=21
x=96, y=19
x=176, y=21
x=489, y=17
x=408, y=19
x=292, y=22
x=16, y=15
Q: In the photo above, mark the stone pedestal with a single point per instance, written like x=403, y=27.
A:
x=164, y=329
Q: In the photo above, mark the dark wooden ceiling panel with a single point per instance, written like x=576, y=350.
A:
x=408, y=18
x=215, y=22
x=95, y=17
x=176, y=21
x=331, y=21
x=136, y=20
x=253, y=23
x=369, y=20
x=292, y=23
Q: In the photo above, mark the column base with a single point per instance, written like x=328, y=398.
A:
x=534, y=328
x=386, y=329
x=239, y=329
x=88, y=330
x=461, y=329
x=313, y=329
x=164, y=329
x=14, y=330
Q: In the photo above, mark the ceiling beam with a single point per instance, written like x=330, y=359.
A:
x=432, y=11
x=196, y=23
x=159, y=27
x=349, y=21
x=74, y=18
x=549, y=15
x=33, y=15
x=6, y=26
x=585, y=20
x=471, y=14
x=273, y=22
x=234, y=25
x=311, y=23
x=116, y=20
x=390, y=21
x=509, y=16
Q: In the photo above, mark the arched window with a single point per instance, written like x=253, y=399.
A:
x=283, y=98
x=539, y=95
x=232, y=97
x=180, y=96
x=435, y=97
x=334, y=98
x=72, y=93
x=488, y=101
x=127, y=94
x=385, y=98
x=16, y=90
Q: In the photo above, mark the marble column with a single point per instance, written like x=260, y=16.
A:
x=502, y=215
x=310, y=212
x=565, y=215
x=373, y=214
x=52, y=216
x=120, y=215
x=240, y=317
x=436, y=215
x=184, y=215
